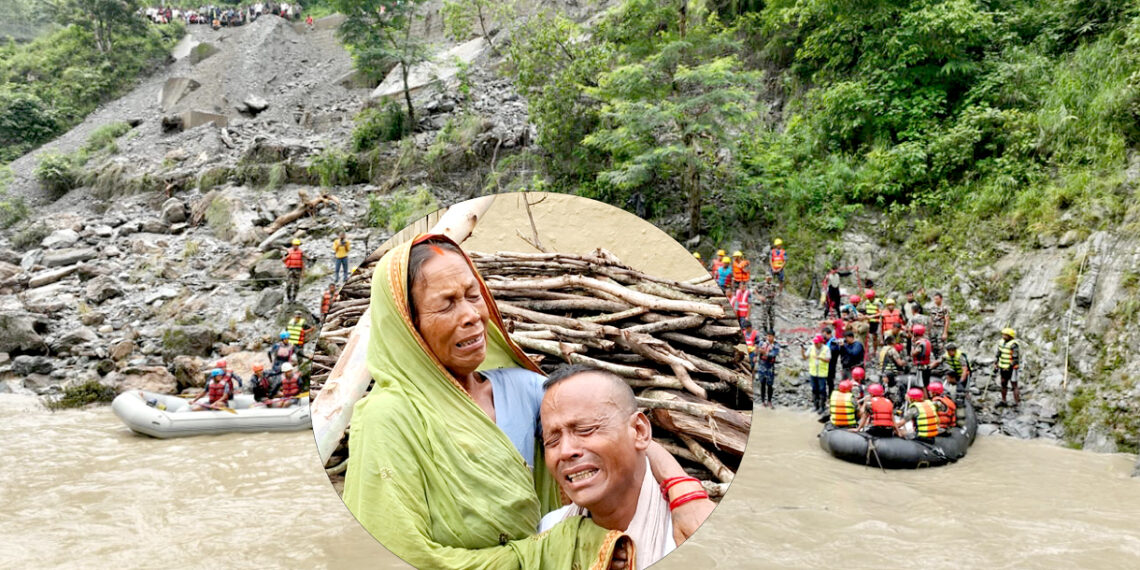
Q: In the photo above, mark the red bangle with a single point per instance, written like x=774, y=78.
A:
x=702, y=494
x=673, y=481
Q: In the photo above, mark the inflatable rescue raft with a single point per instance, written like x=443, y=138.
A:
x=164, y=416
x=899, y=453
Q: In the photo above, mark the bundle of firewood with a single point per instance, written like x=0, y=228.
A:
x=674, y=342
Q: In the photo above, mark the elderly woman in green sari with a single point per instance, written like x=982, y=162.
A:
x=444, y=469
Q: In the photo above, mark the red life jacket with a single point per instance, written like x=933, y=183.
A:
x=742, y=300
x=289, y=387
x=326, y=300
x=261, y=381
x=882, y=412
x=751, y=338
x=778, y=259
x=295, y=258
x=216, y=389
x=947, y=412
x=923, y=358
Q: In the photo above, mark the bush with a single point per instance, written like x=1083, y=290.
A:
x=334, y=167
x=80, y=395
x=104, y=137
x=379, y=125
x=59, y=173
x=30, y=236
x=25, y=122
x=401, y=208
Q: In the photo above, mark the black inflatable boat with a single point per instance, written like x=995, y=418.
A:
x=898, y=453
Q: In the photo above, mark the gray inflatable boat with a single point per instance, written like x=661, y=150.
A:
x=164, y=416
x=898, y=453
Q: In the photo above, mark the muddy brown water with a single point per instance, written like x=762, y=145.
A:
x=79, y=489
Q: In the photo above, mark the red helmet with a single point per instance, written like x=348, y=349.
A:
x=854, y=299
x=869, y=294
x=934, y=388
x=875, y=390
x=919, y=330
x=818, y=339
x=898, y=346
x=914, y=394
x=220, y=364
x=858, y=373
x=845, y=386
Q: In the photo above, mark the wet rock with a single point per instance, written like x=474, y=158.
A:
x=1022, y=428
x=100, y=289
x=1098, y=440
x=63, y=257
x=188, y=371
x=268, y=302
x=24, y=365
x=148, y=378
x=194, y=340
x=60, y=238
x=121, y=349
x=21, y=332
x=988, y=429
x=40, y=383
x=73, y=339
x=174, y=211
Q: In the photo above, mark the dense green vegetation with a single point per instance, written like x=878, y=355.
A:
x=49, y=85
x=1006, y=118
x=80, y=395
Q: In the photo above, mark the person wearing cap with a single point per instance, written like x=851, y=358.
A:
x=228, y=375
x=922, y=413
x=724, y=274
x=892, y=320
x=957, y=367
x=1007, y=364
x=290, y=387
x=766, y=293
x=877, y=414
x=946, y=408
x=741, y=302
x=340, y=252
x=751, y=340
x=833, y=338
x=777, y=259
x=295, y=265
x=218, y=392
x=263, y=388
x=841, y=404
x=920, y=355
x=717, y=263
x=819, y=360
x=740, y=271
x=891, y=363
x=297, y=331
x=766, y=352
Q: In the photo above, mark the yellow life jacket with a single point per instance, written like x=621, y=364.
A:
x=296, y=331
x=955, y=362
x=817, y=367
x=1005, y=360
x=926, y=424
x=842, y=409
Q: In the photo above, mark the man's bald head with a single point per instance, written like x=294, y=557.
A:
x=622, y=394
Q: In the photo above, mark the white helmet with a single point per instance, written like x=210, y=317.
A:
x=287, y=367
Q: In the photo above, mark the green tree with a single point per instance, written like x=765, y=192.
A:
x=105, y=19
x=379, y=33
x=669, y=117
x=460, y=16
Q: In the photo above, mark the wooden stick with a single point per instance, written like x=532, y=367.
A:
x=719, y=470
x=614, y=317
x=625, y=294
x=679, y=323
x=553, y=348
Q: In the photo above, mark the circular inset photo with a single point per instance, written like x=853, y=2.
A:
x=531, y=380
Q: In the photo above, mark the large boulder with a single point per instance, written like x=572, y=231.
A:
x=188, y=371
x=269, y=302
x=121, y=349
x=7, y=270
x=25, y=365
x=174, y=211
x=70, y=256
x=102, y=288
x=267, y=270
x=20, y=332
x=194, y=340
x=148, y=378
x=60, y=238
x=73, y=338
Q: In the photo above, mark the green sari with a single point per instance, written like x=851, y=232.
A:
x=430, y=475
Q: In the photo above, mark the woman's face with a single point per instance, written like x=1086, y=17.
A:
x=451, y=312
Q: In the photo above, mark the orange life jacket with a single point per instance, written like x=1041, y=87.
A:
x=882, y=412
x=326, y=300
x=779, y=258
x=891, y=319
x=295, y=258
x=740, y=272
x=947, y=413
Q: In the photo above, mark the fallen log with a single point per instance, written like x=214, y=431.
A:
x=641, y=299
x=307, y=207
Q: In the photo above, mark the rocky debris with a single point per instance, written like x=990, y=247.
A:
x=194, y=340
x=71, y=256
x=8, y=270
x=443, y=68
x=60, y=238
x=1098, y=440
x=269, y=271
x=102, y=288
x=74, y=338
x=174, y=211
x=148, y=378
x=269, y=302
x=21, y=332
x=121, y=349
x=174, y=90
x=254, y=104
x=187, y=371
x=24, y=365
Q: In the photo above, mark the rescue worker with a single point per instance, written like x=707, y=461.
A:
x=777, y=259
x=819, y=360
x=340, y=252
x=939, y=324
x=263, y=387
x=871, y=309
x=921, y=354
x=891, y=364
x=724, y=274
x=281, y=352
x=767, y=353
x=290, y=387
x=1008, y=363
x=858, y=377
x=957, y=370
x=912, y=307
x=852, y=354
x=740, y=271
x=697, y=256
x=842, y=406
x=327, y=300
x=295, y=264
x=878, y=414
x=945, y=406
x=751, y=340
x=217, y=391
x=921, y=411
x=296, y=329
x=717, y=263
x=742, y=303
x=766, y=293
x=228, y=375
x=892, y=320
